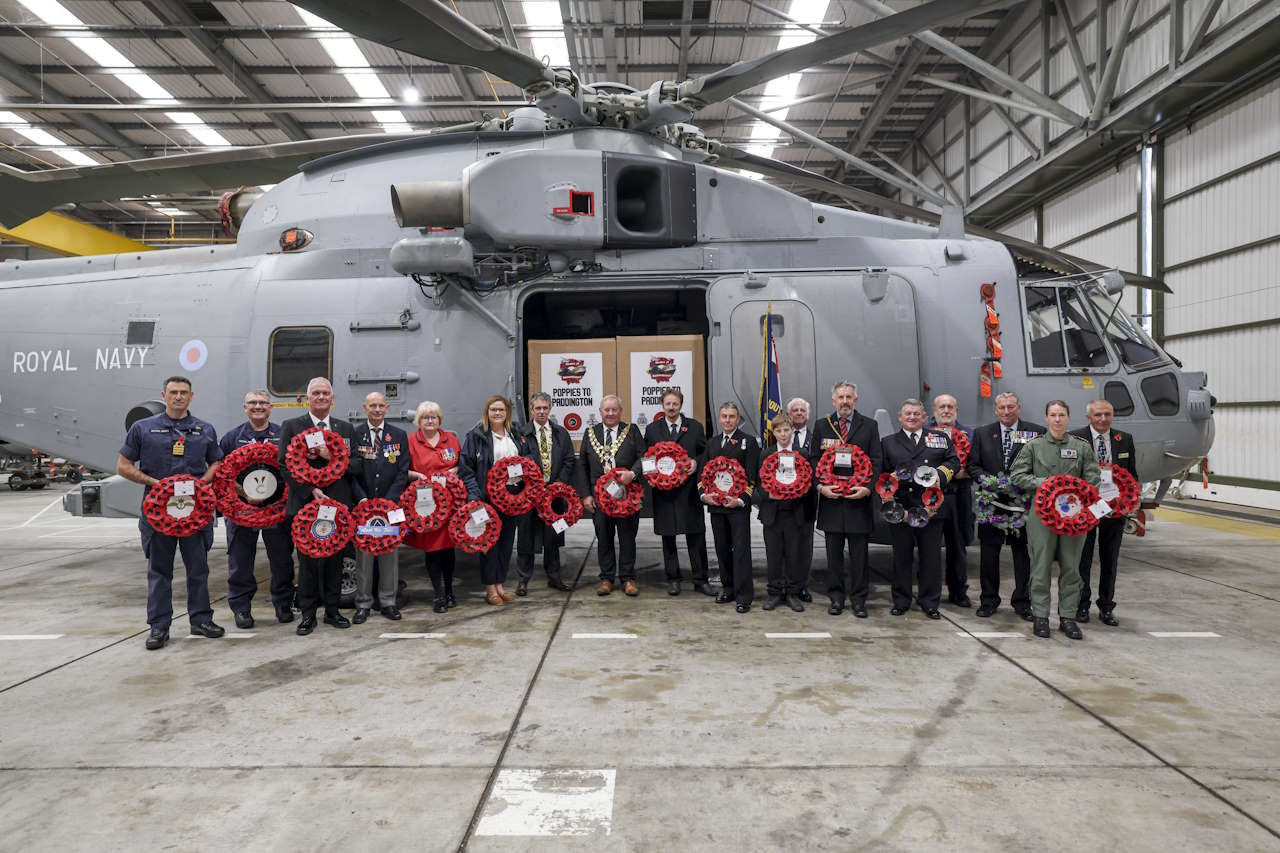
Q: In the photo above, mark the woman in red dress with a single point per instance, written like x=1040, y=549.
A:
x=433, y=450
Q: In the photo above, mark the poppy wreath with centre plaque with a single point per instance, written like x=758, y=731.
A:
x=665, y=481
x=379, y=508
x=179, y=516
x=628, y=504
x=441, y=496
x=780, y=491
x=960, y=442
x=295, y=458
x=1130, y=491
x=931, y=499
x=237, y=510
x=451, y=481
x=1061, y=486
x=497, y=483
x=844, y=484
x=473, y=541
x=887, y=486
x=738, y=480
x=319, y=539
x=559, y=492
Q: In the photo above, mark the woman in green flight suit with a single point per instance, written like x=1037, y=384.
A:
x=1055, y=452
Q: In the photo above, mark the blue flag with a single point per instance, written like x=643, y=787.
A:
x=770, y=385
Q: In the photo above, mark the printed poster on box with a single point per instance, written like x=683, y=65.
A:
x=575, y=381
x=653, y=372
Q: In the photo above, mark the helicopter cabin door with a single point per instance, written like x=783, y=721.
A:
x=828, y=327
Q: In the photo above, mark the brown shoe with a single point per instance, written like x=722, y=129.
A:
x=507, y=597
x=630, y=588
x=605, y=588
x=494, y=598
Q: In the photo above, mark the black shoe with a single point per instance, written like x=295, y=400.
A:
x=743, y=608
x=1082, y=615
x=157, y=638
x=1070, y=628
x=836, y=608
x=284, y=613
x=932, y=614
x=673, y=587
x=986, y=611
x=897, y=611
x=440, y=606
x=724, y=598
x=359, y=617
x=771, y=603
x=556, y=583
x=860, y=611
x=337, y=620
x=704, y=588
x=243, y=620
x=1027, y=615
x=1041, y=628
x=794, y=602
x=450, y=600
x=1108, y=618
x=391, y=613
x=960, y=600
x=804, y=595
x=208, y=629
x=522, y=588
x=306, y=624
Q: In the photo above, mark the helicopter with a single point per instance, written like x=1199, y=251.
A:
x=421, y=267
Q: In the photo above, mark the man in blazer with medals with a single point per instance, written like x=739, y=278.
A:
x=846, y=522
x=995, y=446
x=731, y=526
x=1115, y=448
x=605, y=446
x=802, y=438
x=553, y=449
x=920, y=453
x=678, y=511
x=384, y=473
x=957, y=527
x=319, y=578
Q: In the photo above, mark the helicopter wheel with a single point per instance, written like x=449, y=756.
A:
x=347, y=584
x=17, y=482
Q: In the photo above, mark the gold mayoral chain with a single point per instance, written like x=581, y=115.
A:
x=608, y=454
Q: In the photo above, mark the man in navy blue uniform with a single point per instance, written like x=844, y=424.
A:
x=242, y=542
x=384, y=473
x=173, y=442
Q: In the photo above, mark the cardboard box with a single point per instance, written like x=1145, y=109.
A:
x=577, y=374
x=649, y=365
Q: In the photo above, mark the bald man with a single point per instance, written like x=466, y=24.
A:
x=957, y=525
x=384, y=473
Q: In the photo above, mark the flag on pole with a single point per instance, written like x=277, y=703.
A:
x=770, y=385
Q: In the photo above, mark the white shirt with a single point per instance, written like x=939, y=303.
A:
x=1011, y=429
x=1106, y=442
x=374, y=430
x=504, y=446
x=797, y=436
x=672, y=426
x=914, y=436
x=539, y=429
x=328, y=419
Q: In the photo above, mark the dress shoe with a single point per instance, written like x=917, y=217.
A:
x=522, y=588
x=897, y=611
x=1041, y=627
x=359, y=617
x=556, y=583
x=450, y=600
x=243, y=620
x=932, y=614
x=804, y=595
x=836, y=608
x=507, y=597
x=794, y=602
x=284, y=613
x=771, y=603
x=629, y=587
x=743, y=608
x=392, y=613
x=306, y=624
x=1071, y=629
x=986, y=611
x=494, y=599
x=673, y=587
x=440, y=606
x=208, y=629
x=1108, y=618
x=704, y=588
x=337, y=620
x=724, y=598
x=1027, y=615
x=1082, y=615
x=860, y=611
x=157, y=638
x=604, y=588
x=961, y=600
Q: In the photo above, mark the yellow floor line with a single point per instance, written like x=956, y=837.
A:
x=1224, y=525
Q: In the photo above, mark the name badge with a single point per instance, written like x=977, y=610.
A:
x=314, y=440
x=1122, y=455
x=1068, y=453
x=327, y=513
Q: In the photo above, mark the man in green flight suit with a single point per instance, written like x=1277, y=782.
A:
x=1055, y=452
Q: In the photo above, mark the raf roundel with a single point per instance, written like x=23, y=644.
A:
x=193, y=354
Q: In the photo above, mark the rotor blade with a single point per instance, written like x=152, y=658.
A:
x=749, y=73
x=1042, y=256
x=429, y=29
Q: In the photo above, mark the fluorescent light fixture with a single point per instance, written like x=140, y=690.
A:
x=172, y=211
x=782, y=90
x=549, y=44
x=352, y=64
x=40, y=136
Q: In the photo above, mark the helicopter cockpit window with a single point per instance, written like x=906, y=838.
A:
x=298, y=354
x=1084, y=344
x=1044, y=327
x=1136, y=349
x=1062, y=333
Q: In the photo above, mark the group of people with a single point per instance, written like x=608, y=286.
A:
x=385, y=460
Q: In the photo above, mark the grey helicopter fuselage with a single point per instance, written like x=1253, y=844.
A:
x=882, y=302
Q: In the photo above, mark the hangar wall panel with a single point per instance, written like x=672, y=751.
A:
x=1024, y=227
x=1223, y=292
x=1237, y=371
x=1097, y=219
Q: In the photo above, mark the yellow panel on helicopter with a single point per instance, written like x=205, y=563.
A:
x=66, y=236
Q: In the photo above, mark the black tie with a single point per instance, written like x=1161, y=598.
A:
x=323, y=425
x=673, y=429
x=915, y=438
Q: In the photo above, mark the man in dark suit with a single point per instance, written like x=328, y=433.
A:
x=802, y=438
x=1115, y=448
x=911, y=449
x=605, y=446
x=318, y=577
x=846, y=521
x=554, y=452
x=995, y=446
x=384, y=473
x=957, y=528
x=731, y=525
x=678, y=511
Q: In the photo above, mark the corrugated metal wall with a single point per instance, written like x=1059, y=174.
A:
x=1098, y=219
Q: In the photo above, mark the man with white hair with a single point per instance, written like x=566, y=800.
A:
x=957, y=526
x=798, y=411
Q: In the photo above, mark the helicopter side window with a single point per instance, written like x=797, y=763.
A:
x=1044, y=327
x=296, y=355
x=1136, y=350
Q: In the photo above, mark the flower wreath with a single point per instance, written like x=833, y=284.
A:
x=451, y=481
x=442, y=499
x=559, y=492
x=1130, y=492
x=780, y=491
x=711, y=473
x=1066, y=488
x=316, y=538
x=960, y=442
x=300, y=466
x=497, y=485
x=844, y=484
x=368, y=513
x=180, y=515
x=997, y=502
x=237, y=510
x=628, y=504
x=466, y=535
x=663, y=455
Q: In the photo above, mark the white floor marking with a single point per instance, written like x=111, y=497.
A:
x=604, y=636
x=411, y=636
x=239, y=635
x=811, y=635
x=31, y=636
x=989, y=635
x=549, y=803
x=1167, y=634
x=52, y=504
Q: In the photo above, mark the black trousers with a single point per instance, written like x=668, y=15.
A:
x=695, y=543
x=783, y=539
x=1108, y=534
x=989, y=572
x=534, y=537
x=957, y=569
x=440, y=569
x=732, y=534
x=927, y=541
x=806, y=550
x=859, y=575
x=319, y=579
x=496, y=562
x=613, y=567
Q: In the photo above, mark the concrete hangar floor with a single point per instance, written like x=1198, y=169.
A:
x=571, y=722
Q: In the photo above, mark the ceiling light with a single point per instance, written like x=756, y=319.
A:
x=410, y=95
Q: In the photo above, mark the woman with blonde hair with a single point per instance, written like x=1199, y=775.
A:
x=434, y=450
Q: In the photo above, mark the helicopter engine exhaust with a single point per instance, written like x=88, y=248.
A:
x=428, y=204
